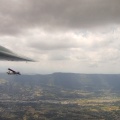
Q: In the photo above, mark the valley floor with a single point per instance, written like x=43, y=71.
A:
x=104, y=108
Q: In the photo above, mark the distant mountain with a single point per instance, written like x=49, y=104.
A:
x=66, y=80
x=58, y=86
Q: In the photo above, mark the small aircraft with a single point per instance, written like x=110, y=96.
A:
x=6, y=54
x=12, y=72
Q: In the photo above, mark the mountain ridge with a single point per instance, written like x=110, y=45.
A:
x=67, y=80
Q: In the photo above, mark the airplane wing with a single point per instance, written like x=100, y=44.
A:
x=6, y=54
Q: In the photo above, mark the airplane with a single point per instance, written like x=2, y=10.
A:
x=6, y=54
x=12, y=72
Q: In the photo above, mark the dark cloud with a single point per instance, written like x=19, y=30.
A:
x=16, y=16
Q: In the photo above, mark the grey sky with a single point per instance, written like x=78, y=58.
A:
x=63, y=35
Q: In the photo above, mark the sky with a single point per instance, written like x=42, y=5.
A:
x=78, y=36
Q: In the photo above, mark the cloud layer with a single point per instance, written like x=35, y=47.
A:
x=64, y=35
x=16, y=16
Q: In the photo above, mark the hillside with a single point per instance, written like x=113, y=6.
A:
x=67, y=80
x=58, y=86
x=66, y=96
